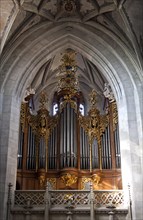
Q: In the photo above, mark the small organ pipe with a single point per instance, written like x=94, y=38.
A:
x=20, y=149
x=65, y=138
x=52, y=150
x=109, y=147
x=68, y=128
x=87, y=149
x=103, y=150
x=54, y=137
x=61, y=140
x=81, y=153
x=106, y=151
x=71, y=139
x=75, y=139
x=83, y=147
x=56, y=146
x=117, y=144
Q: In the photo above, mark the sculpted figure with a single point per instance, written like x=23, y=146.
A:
x=108, y=93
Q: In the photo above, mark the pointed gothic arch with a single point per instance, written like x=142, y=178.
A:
x=118, y=67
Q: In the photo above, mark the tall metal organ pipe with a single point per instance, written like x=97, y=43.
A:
x=117, y=147
x=20, y=148
x=31, y=154
x=68, y=131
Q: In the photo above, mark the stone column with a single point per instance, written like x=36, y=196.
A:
x=92, y=215
x=9, y=131
x=47, y=202
x=111, y=215
x=28, y=209
x=9, y=202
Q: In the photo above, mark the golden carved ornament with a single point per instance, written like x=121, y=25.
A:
x=68, y=99
x=43, y=100
x=85, y=180
x=52, y=181
x=94, y=179
x=41, y=179
x=68, y=179
x=104, y=121
x=92, y=99
x=23, y=115
x=94, y=124
x=42, y=124
x=115, y=115
x=68, y=80
x=68, y=62
x=32, y=121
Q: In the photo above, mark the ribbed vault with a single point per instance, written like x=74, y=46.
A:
x=34, y=51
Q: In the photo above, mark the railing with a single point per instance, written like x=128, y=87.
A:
x=63, y=197
x=35, y=197
x=105, y=198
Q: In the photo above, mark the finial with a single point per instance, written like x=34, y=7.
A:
x=67, y=78
x=92, y=99
x=43, y=99
x=68, y=65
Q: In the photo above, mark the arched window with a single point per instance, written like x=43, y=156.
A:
x=55, y=108
x=81, y=109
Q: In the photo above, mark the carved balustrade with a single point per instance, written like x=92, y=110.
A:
x=36, y=197
x=102, y=198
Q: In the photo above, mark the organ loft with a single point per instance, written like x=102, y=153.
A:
x=69, y=141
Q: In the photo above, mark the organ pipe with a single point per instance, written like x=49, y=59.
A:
x=20, y=148
x=45, y=151
x=71, y=137
x=82, y=142
x=117, y=147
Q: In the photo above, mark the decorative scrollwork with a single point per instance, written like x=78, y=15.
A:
x=32, y=121
x=86, y=181
x=68, y=179
x=41, y=179
x=23, y=115
x=94, y=125
x=43, y=100
x=115, y=115
x=52, y=182
x=73, y=104
x=42, y=124
x=96, y=179
x=68, y=80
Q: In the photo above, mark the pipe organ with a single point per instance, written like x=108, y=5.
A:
x=67, y=148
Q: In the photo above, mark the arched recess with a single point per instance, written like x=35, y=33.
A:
x=33, y=49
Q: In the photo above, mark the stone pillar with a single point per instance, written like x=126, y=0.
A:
x=28, y=209
x=111, y=215
x=92, y=215
x=9, y=202
x=69, y=217
x=27, y=215
x=9, y=131
x=47, y=202
x=131, y=149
